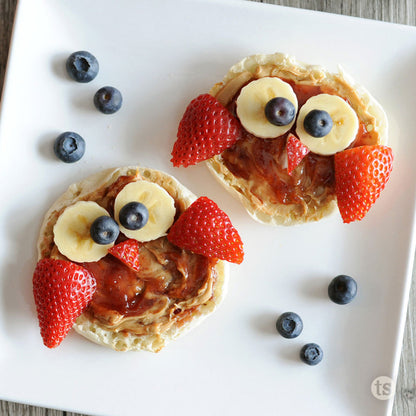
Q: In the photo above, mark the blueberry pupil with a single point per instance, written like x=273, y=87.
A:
x=317, y=123
x=133, y=215
x=104, y=230
x=279, y=111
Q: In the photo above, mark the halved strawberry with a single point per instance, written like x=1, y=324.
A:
x=62, y=290
x=127, y=252
x=207, y=128
x=205, y=229
x=296, y=151
x=361, y=173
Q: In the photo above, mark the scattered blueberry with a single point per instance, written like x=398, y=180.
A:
x=69, y=147
x=108, y=100
x=104, y=230
x=342, y=289
x=133, y=216
x=317, y=123
x=280, y=111
x=82, y=66
x=311, y=354
x=289, y=325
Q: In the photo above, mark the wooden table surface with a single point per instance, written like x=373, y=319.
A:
x=397, y=11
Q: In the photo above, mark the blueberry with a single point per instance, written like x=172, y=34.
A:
x=108, y=100
x=342, y=289
x=280, y=111
x=69, y=147
x=104, y=230
x=289, y=325
x=317, y=123
x=82, y=66
x=311, y=354
x=133, y=216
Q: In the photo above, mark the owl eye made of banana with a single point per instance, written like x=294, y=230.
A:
x=85, y=231
x=326, y=124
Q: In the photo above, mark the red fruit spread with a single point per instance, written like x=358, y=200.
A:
x=171, y=284
x=261, y=163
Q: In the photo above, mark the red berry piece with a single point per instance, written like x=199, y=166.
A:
x=62, y=291
x=361, y=173
x=127, y=252
x=205, y=229
x=296, y=151
x=207, y=128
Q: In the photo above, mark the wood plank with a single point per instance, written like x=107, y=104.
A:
x=397, y=11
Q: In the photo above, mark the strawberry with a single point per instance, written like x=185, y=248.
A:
x=205, y=229
x=127, y=252
x=207, y=128
x=296, y=151
x=361, y=173
x=62, y=290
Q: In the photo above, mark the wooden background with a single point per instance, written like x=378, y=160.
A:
x=397, y=11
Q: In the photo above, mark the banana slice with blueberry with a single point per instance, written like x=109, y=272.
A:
x=144, y=210
x=327, y=124
x=267, y=107
x=84, y=232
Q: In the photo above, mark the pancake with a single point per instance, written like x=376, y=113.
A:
x=255, y=170
x=174, y=289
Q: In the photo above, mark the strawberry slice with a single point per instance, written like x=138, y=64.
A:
x=205, y=229
x=62, y=291
x=127, y=252
x=296, y=151
x=361, y=173
x=207, y=128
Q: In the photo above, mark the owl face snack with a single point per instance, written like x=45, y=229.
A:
x=292, y=141
x=129, y=258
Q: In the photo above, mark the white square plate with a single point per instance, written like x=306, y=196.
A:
x=161, y=54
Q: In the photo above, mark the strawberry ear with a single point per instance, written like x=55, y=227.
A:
x=361, y=173
x=296, y=151
x=206, y=129
x=205, y=229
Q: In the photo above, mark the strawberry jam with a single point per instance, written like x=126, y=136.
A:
x=262, y=163
x=168, y=276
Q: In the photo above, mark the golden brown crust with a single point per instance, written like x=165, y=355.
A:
x=284, y=66
x=92, y=187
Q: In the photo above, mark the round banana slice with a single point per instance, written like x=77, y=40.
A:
x=158, y=202
x=252, y=101
x=72, y=232
x=344, y=129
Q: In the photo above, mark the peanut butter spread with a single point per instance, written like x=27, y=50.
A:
x=261, y=164
x=171, y=284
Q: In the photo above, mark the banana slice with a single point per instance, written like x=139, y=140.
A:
x=72, y=232
x=158, y=202
x=344, y=129
x=252, y=101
